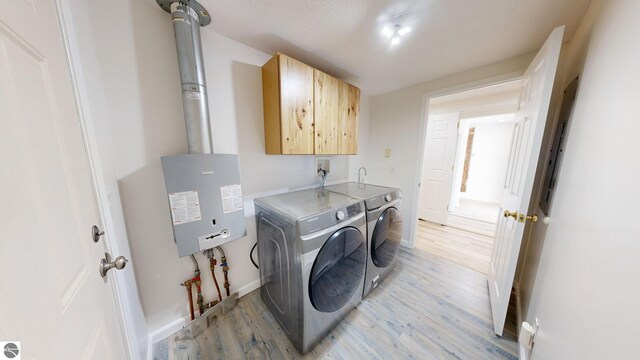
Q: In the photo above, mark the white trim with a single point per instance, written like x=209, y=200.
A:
x=415, y=202
x=407, y=244
x=522, y=353
x=248, y=288
x=79, y=86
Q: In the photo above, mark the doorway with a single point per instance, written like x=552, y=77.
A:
x=467, y=143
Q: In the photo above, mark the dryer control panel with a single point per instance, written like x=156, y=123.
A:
x=378, y=201
x=329, y=219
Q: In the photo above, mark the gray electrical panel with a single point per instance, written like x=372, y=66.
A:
x=205, y=200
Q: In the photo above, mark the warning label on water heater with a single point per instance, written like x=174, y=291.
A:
x=185, y=207
x=231, y=198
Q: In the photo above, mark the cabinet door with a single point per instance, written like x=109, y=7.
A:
x=349, y=104
x=326, y=111
x=296, y=106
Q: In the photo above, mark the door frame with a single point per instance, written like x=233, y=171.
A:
x=424, y=116
x=126, y=312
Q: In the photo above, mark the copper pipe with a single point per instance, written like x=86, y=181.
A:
x=226, y=280
x=212, y=266
x=200, y=298
x=187, y=284
x=225, y=271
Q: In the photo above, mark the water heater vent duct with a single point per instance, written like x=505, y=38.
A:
x=187, y=17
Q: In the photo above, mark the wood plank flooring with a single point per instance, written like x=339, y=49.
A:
x=428, y=308
x=472, y=225
x=475, y=216
x=460, y=246
x=477, y=210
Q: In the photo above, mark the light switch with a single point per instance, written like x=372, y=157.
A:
x=387, y=153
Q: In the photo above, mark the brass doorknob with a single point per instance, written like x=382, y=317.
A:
x=508, y=213
x=523, y=218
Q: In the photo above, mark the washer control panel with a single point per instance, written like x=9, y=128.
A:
x=354, y=209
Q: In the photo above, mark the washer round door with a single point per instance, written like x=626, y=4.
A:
x=338, y=270
x=387, y=234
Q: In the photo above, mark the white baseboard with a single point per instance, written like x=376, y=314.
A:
x=405, y=243
x=162, y=332
x=248, y=288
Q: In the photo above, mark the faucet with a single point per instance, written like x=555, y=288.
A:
x=361, y=180
x=323, y=176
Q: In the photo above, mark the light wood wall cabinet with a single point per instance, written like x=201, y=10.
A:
x=326, y=94
x=307, y=111
x=348, y=119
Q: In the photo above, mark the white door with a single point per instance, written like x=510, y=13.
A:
x=537, y=85
x=52, y=298
x=437, y=170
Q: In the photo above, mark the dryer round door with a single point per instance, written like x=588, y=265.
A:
x=338, y=270
x=385, y=242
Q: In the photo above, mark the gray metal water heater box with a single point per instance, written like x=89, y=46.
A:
x=205, y=200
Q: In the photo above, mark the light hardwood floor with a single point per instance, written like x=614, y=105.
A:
x=428, y=308
x=471, y=225
x=475, y=216
x=462, y=247
x=478, y=210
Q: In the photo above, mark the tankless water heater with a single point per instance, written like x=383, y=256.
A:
x=205, y=199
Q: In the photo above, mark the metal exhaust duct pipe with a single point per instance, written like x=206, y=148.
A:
x=187, y=17
x=204, y=189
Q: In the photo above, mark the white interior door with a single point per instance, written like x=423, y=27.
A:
x=537, y=86
x=53, y=299
x=437, y=170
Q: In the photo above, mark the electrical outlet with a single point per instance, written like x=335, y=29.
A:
x=387, y=153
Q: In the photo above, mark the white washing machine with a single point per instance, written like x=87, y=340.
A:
x=384, y=228
x=312, y=258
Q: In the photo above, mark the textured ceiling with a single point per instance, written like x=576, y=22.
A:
x=342, y=37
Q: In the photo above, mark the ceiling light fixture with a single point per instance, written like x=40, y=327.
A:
x=396, y=31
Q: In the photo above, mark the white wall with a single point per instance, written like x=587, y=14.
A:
x=138, y=65
x=580, y=277
x=489, y=158
x=396, y=124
